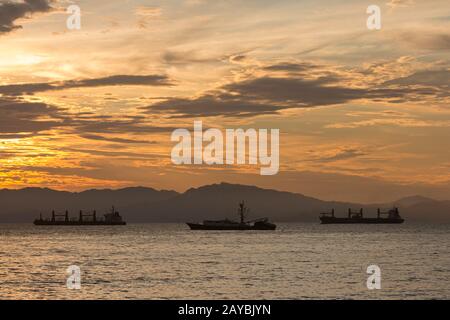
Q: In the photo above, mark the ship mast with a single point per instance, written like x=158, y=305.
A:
x=242, y=211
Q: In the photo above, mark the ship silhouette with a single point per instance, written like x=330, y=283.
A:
x=391, y=216
x=226, y=224
x=111, y=218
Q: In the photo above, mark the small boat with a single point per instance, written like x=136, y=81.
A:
x=226, y=224
x=112, y=218
x=389, y=217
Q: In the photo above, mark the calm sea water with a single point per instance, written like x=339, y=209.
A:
x=168, y=261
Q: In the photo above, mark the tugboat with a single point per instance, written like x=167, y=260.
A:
x=391, y=216
x=112, y=218
x=258, y=224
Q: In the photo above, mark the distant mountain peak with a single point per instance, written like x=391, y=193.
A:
x=226, y=186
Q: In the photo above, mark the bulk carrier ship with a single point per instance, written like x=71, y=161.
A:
x=391, y=216
x=112, y=218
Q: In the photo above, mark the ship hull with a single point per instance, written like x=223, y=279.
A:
x=78, y=223
x=333, y=220
x=198, y=226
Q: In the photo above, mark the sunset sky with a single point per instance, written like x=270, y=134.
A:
x=364, y=114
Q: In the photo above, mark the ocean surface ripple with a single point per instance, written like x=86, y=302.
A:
x=169, y=261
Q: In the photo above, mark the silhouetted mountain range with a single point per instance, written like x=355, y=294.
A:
x=215, y=201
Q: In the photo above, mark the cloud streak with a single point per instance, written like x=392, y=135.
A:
x=289, y=85
x=115, y=80
x=114, y=139
x=20, y=116
x=24, y=119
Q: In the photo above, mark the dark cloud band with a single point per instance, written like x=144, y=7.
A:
x=116, y=80
x=11, y=11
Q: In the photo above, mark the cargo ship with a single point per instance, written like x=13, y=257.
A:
x=226, y=224
x=391, y=216
x=112, y=218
